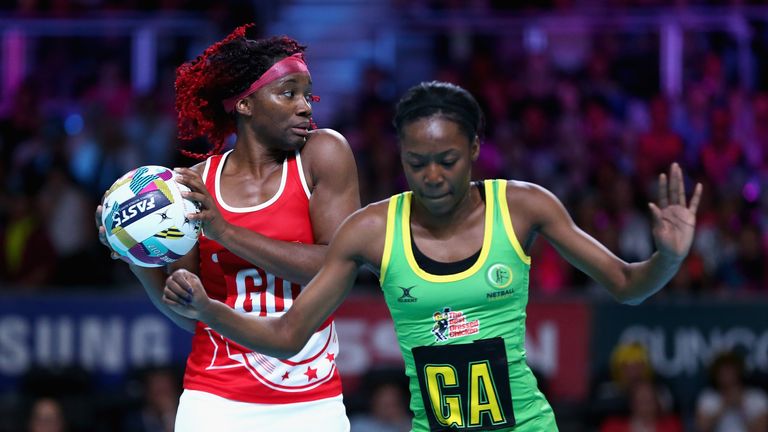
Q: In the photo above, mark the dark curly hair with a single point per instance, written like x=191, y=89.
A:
x=225, y=69
x=448, y=100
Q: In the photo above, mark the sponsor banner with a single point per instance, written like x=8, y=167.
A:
x=111, y=335
x=107, y=335
x=557, y=341
x=367, y=339
x=682, y=338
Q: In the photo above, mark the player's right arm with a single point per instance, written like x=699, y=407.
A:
x=674, y=220
x=153, y=281
x=153, y=278
x=359, y=241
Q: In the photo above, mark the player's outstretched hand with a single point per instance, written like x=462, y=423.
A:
x=674, y=219
x=212, y=223
x=185, y=295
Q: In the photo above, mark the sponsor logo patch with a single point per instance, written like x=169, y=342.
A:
x=452, y=324
x=407, y=297
x=499, y=275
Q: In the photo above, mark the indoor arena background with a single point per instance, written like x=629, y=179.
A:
x=591, y=99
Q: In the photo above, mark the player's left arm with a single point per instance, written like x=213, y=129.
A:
x=360, y=240
x=674, y=221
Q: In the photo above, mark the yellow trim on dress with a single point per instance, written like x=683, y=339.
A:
x=484, y=251
x=389, y=237
x=507, y=221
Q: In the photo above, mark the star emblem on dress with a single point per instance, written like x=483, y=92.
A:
x=311, y=373
x=330, y=357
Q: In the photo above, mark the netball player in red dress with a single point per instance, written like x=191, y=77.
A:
x=269, y=208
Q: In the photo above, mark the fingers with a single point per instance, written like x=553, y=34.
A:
x=681, y=189
x=677, y=190
x=100, y=227
x=112, y=254
x=663, y=192
x=103, y=240
x=656, y=213
x=202, y=198
x=678, y=187
x=697, y=191
x=198, y=192
x=204, y=216
x=176, y=289
x=125, y=259
x=672, y=189
x=190, y=179
x=97, y=215
x=173, y=296
x=103, y=236
x=675, y=178
x=170, y=298
x=185, y=280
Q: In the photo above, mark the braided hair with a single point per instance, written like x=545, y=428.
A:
x=440, y=98
x=223, y=70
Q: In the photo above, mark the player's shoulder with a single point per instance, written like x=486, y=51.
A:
x=199, y=167
x=526, y=191
x=325, y=143
x=327, y=155
x=530, y=197
x=371, y=218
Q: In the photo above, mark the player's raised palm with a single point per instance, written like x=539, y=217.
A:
x=674, y=219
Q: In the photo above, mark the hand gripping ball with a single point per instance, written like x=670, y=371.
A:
x=145, y=217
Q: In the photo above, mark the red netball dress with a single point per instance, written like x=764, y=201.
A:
x=219, y=366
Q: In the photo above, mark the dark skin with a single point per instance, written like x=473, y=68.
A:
x=272, y=122
x=447, y=224
x=445, y=209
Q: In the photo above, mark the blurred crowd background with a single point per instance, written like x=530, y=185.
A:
x=591, y=99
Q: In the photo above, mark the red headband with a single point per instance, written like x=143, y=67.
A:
x=289, y=65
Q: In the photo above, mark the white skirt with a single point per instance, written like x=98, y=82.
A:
x=204, y=412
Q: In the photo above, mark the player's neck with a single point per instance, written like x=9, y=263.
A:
x=252, y=160
x=445, y=224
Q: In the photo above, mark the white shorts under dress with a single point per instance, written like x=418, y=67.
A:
x=205, y=412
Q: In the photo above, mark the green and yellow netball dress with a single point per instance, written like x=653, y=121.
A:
x=462, y=335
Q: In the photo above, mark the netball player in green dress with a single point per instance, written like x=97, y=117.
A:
x=453, y=265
